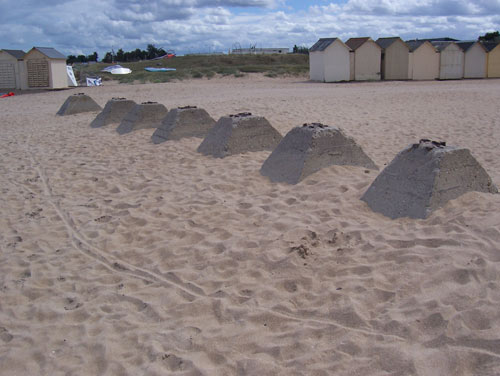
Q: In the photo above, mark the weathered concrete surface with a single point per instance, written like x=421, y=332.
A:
x=78, y=103
x=181, y=122
x=309, y=148
x=142, y=116
x=424, y=177
x=239, y=133
x=114, y=112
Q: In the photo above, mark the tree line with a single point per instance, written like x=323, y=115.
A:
x=490, y=37
x=151, y=52
x=300, y=50
x=81, y=58
x=120, y=56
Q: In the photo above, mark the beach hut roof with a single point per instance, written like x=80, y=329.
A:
x=355, y=43
x=490, y=45
x=441, y=45
x=414, y=44
x=386, y=42
x=50, y=52
x=18, y=54
x=322, y=44
x=466, y=44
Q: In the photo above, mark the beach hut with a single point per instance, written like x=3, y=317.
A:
x=395, y=58
x=45, y=69
x=451, y=60
x=493, y=59
x=329, y=61
x=367, y=55
x=423, y=62
x=475, y=59
x=11, y=69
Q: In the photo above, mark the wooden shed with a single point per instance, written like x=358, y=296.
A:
x=45, y=69
x=329, y=60
x=493, y=59
x=423, y=60
x=11, y=69
x=451, y=60
x=395, y=58
x=475, y=59
x=367, y=57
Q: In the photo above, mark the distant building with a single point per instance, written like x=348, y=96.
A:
x=329, y=61
x=423, y=60
x=260, y=51
x=11, y=69
x=367, y=57
x=451, y=60
x=45, y=69
x=395, y=58
x=476, y=59
x=493, y=59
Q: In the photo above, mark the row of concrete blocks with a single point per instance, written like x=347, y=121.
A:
x=420, y=179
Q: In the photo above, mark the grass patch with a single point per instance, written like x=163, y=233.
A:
x=199, y=66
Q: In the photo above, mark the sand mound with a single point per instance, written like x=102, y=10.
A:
x=181, y=122
x=78, y=103
x=142, y=116
x=239, y=133
x=114, y=112
x=423, y=177
x=309, y=148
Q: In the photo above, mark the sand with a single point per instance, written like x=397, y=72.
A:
x=120, y=257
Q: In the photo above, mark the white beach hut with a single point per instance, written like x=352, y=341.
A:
x=423, y=62
x=11, y=69
x=45, y=69
x=475, y=59
x=329, y=60
x=367, y=57
x=451, y=60
x=395, y=58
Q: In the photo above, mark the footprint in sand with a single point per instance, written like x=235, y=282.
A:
x=71, y=304
x=5, y=336
x=103, y=219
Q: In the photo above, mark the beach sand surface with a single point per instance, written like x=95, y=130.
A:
x=121, y=257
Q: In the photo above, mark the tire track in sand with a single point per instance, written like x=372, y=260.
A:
x=188, y=289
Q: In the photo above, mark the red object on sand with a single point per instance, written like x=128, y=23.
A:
x=7, y=95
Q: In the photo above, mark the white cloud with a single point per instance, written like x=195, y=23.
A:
x=75, y=26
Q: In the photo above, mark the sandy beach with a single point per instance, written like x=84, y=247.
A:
x=121, y=257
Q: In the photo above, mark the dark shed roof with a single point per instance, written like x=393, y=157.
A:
x=490, y=45
x=465, y=45
x=441, y=45
x=414, y=44
x=386, y=42
x=322, y=44
x=355, y=43
x=18, y=54
x=50, y=52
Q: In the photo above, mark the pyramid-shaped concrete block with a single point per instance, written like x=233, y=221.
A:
x=239, y=133
x=424, y=177
x=114, y=112
x=309, y=148
x=78, y=103
x=188, y=121
x=142, y=116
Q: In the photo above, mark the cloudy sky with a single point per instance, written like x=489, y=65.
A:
x=84, y=26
